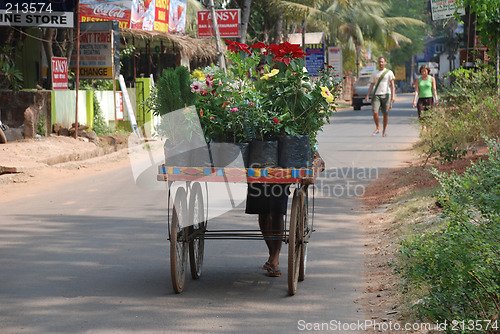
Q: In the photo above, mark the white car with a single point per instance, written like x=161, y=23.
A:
x=359, y=92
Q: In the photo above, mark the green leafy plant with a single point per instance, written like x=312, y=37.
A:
x=265, y=93
x=469, y=110
x=41, y=126
x=10, y=76
x=456, y=267
x=172, y=91
x=100, y=127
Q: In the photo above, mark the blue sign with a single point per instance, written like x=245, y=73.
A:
x=37, y=13
x=316, y=58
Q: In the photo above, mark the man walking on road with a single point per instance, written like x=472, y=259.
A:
x=383, y=95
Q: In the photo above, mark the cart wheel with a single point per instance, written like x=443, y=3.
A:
x=303, y=254
x=197, y=230
x=178, y=241
x=295, y=240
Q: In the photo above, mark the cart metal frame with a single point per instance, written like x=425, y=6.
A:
x=188, y=222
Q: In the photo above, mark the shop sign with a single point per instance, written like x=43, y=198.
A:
x=228, y=21
x=40, y=13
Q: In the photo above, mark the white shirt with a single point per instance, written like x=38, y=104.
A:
x=384, y=86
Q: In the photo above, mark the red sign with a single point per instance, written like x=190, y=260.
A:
x=228, y=21
x=59, y=73
x=119, y=106
x=161, y=15
x=106, y=10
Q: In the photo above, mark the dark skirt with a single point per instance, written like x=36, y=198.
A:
x=267, y=198
x=423, y=104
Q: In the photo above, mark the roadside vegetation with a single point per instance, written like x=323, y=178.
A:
x=469, y=111
x=447, y=258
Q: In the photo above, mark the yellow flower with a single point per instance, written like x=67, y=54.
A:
x=272, y=74
x=325, y=92
x=199, y=75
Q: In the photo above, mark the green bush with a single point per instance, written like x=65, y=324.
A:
x=173, y=91
x=185, y=85
x=101, y=128
x=470, y=110
x=456, y=268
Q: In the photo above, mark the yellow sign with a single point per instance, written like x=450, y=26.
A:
x=400, y=73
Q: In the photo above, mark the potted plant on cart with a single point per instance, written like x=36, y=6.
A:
x=301, y=106
x=225, y=103
x=278, y=99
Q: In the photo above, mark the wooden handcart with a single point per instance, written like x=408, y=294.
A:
x=188, y=228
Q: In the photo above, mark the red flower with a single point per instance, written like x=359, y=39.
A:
x=209, y=81
x=259, y=45
x=285, y=52
x=237, y=47
x=276, y=121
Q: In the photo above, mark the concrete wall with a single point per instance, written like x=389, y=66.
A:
x=13, y=105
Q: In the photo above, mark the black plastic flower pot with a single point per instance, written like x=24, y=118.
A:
x=177, y=154
x=229, y=155
x=295, y=151
x=263, y=154
x=200, y=156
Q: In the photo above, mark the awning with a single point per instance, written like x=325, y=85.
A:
x=188, y=46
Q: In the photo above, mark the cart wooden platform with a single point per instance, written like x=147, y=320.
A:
x=188, y=228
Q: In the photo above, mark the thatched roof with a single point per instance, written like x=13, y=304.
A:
x=188, y=46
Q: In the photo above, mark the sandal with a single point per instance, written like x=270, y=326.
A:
x=376, y=132
x=273, y=272
x=384, y=135
x=266, y=265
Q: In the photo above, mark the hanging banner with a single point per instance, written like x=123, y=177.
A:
x=59, y=73
x=315, y=58
x=39, y=13
x=162, y=16
x=443, y=9
x=228, y=21
x=142, y=15
x=177, y=22
x=335, y=60
x=106, y=10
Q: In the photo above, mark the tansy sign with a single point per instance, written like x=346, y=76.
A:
x=59, y=73
x=228, y=21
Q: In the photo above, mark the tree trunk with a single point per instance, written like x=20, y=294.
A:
x=358, y=50
x=245, y=17
x=304, y=36
x=497, y=66
x=278, y=29
x=70, y=45
x=47, y=46
x=222, y=60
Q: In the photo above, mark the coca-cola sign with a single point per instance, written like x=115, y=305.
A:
x=106, y=10
x=110, y=11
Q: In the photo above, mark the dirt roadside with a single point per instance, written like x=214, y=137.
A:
x=28, y=167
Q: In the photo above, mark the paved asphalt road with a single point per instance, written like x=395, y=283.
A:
x=96, y=260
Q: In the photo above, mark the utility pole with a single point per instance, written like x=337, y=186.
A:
x=222, y=60
x=77, y=83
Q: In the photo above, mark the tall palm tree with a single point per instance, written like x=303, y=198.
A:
x=350, y=23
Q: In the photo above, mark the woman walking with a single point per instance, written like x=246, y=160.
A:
x=425, y=91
